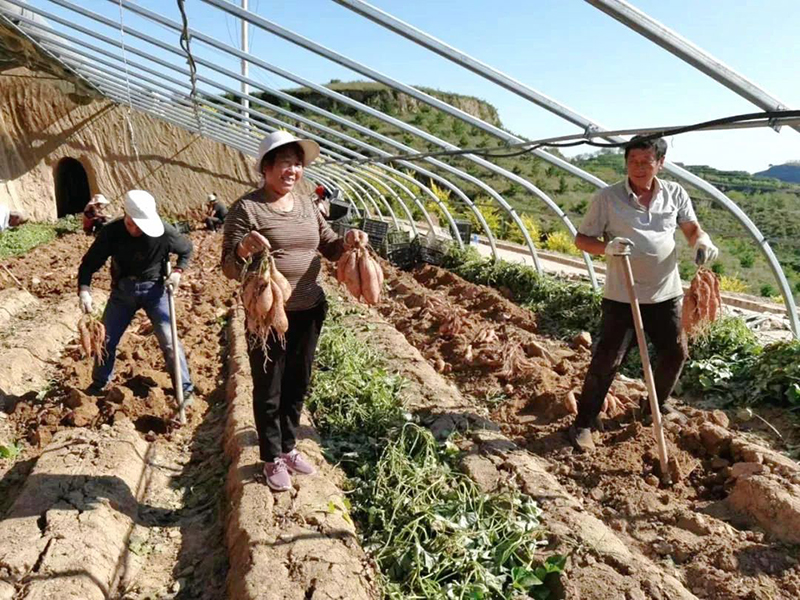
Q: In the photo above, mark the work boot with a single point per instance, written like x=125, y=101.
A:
x=582, y=439
x=95, y=390
x=297, y=464
x=277, y=475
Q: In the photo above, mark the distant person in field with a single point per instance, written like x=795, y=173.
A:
x=323, y=204
x=11, y=218
x=94, y=214
x=638, y=217
x=216, y=211
x=139, y=246
x=281, y=221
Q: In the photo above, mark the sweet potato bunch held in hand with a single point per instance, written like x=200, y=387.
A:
x=265, y=292
x=360, y=272
x=92, y=335
x=702, y=304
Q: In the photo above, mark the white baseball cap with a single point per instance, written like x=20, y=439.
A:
x=211, y=198
x=99, y=199
x=276, y=139
x=140, y=206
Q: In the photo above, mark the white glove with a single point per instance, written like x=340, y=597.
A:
x=173, y=281
x=704, y=250
x=619, y=246
x=85, y=299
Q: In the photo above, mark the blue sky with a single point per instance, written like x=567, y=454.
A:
x=563, y=48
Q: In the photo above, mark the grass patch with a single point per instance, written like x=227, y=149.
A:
x=562, y=309
x=24, y=238
x=431, y=531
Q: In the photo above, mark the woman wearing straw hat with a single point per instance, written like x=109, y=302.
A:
x=279, y=218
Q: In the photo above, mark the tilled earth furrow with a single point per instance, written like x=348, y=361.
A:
x=701, y=531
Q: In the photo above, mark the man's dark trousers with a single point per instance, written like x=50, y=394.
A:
x=662, y=323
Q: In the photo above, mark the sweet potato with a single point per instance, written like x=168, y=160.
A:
x=282, y=282
x=352, y=278
x=571, y=403
x=85, y=337
x=702, y=304
x=278, y=318
x=370, y=285
x=264, y=299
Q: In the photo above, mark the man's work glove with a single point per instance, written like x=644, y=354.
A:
x=619, y=246
x=85, y=299
x=173, y=281
x=704, y=250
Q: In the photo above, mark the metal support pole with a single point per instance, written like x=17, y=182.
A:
x=245, y=64
x=487, y=72
x=679, y=46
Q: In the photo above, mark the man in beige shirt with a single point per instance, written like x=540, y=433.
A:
x=638, y=217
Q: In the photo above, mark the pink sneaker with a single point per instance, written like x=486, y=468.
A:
x=298, y=464
x=277, y=475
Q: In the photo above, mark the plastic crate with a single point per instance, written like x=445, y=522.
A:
x=464, y=230
x=431, y=251
x=398, y=237
x=403, y=256
x=376, y=231
x=339, y=210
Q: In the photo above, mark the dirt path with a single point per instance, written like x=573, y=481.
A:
x=176, y=547
x=195, y=519
x=727, y=530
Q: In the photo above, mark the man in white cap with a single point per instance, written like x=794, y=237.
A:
x=139, y=245
x=94, y=216
x=216, y=211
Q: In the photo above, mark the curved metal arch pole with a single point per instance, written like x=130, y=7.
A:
x=317, y=178
x=677, y=45
x=345, y=191
x=349, y=190
x=391, y=177
x=377, y=179
x=353, y=65
x=333, y=170
x=401, y=87
x=343, y=184
x=183, y=120
x=334, y=173
x=374, y=190
x=234, y=122
x=369, y=148
x=119, y=93
x=140, y=91
x=570, y=115
x=9, y=17
x=134, y=76
x=277, y=109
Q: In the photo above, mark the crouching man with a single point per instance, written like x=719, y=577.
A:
x=638, y=217
x=139, y=246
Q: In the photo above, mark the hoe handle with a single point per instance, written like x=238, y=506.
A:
x=648, y=370
x=176, y=365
